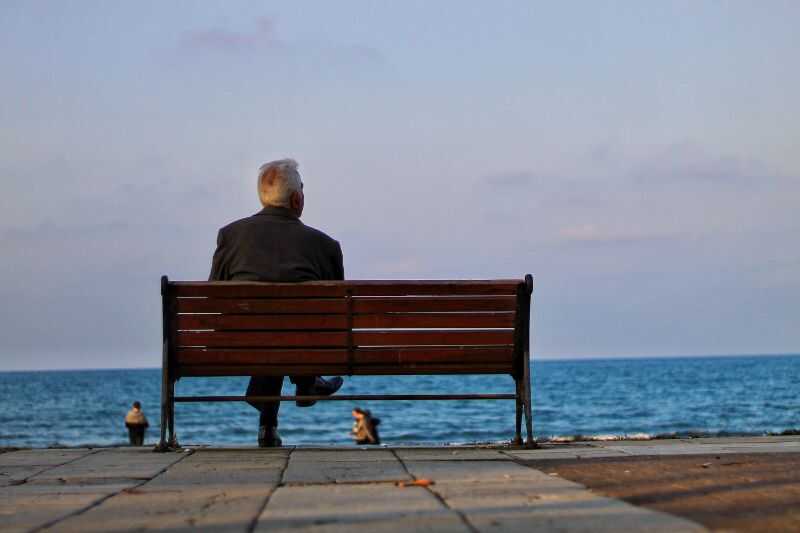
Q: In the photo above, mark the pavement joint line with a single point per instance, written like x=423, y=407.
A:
x=51, y=467
x=101, y=500
x=251, y=527
x=439, y=497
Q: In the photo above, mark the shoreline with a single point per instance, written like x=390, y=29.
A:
x=550, y=440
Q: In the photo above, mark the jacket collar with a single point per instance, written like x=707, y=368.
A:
x=282, y=212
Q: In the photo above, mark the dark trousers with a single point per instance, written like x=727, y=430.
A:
x=136, y=434
x=271, y=386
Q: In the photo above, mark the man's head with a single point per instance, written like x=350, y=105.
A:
x=137, y=405
x=279, y=185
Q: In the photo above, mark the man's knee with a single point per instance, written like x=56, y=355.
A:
x=303, y=381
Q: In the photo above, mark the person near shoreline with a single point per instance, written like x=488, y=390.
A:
x=137, y=424
x=365, y=427
x=274, y=245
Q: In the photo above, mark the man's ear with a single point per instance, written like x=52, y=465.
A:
x=296, y=202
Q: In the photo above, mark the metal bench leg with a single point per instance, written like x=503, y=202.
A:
x=529, y=442
x=519, y=401
x=173, y=440
x=162, y=443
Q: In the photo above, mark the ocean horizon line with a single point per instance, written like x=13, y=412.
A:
x=538, y=359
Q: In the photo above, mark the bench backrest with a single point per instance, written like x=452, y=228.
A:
x=346, y=327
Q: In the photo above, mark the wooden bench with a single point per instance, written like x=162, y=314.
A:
x=346, y=327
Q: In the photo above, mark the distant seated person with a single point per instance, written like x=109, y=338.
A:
x=136, y=423
x=365, y=427
x=274, y=245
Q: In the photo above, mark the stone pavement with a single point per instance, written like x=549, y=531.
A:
x=331, y=489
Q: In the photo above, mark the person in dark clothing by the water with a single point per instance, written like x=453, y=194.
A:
x=136, y=423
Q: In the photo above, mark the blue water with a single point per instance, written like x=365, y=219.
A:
x=613, y=397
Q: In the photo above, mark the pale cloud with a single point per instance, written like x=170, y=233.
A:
x=596, y=233
x=511, y=179
x=684, y=163
x=264, y=37
x=224, y=40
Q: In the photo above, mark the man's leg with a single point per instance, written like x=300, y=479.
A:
x=303, y=381
x=268, y=418
x=315, y=386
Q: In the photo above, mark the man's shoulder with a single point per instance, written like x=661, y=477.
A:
x=319, y=235
x=298, y=228
x=232, y=227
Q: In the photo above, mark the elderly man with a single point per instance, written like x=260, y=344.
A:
x=274, y=245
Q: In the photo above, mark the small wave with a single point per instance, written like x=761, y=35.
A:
x=602, y=438
x=694, y=434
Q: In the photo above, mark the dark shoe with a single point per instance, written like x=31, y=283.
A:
x=268, y=437
x=320, y=387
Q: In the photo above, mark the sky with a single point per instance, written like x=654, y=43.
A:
x=640, y=159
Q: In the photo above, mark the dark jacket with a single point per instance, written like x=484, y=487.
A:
x=274, y=245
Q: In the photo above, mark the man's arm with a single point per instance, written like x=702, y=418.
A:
x=338, y=263
x=219, y=271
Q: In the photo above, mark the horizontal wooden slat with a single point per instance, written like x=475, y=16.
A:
x=338, y=322
x=367, y=305
x=259, y=338
x=433, y=355
x=240, y=289
x=254, y=356
x=328, y=370
x=435, y=320
x=261, y=370
x=319, y=289
x=361, y=305
x=433, y=287
x=264, y=306
x=432, y=337
x=361, y=357
x=262, y=322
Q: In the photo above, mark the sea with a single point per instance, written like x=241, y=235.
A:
x=604, y=399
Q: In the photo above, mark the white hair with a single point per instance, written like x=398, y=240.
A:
x=277, y=180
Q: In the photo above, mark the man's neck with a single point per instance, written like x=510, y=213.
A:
x=278, y=210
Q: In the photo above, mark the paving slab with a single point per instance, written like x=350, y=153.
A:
x=307, y=467
x=23, y=508
x=586, y=514
x=742, y=440
x=706, y=446
x=642, y=442
x=15, y=475
x=223, y=470
x=450, y=454
x=565, y=453
x=111, y=464
x=346, y=455
x=213, y=491
x=354, y=508
x=773, y=447
x=473, y=471
x=671, y=450
x=41, y=457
